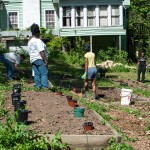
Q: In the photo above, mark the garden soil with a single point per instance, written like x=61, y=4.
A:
x=51, y=112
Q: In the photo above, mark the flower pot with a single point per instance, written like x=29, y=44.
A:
x=78, y=112
x=59, y=93
x=75, y=89
x=15, y=97
x=72, y=103
x=69, y=97
x=88, y=126
x=17, y=88
x=19, y=105
x=22, y=116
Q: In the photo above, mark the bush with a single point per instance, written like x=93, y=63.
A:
x=74, y=58
x=112, y=54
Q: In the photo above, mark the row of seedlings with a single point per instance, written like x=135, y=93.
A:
x=21, y=114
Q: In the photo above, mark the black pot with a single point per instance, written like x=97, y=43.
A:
x=17, y=88
x=22, y=116
x=15, y=97
x=19, y=105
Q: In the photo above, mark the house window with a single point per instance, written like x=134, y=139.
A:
x=115, y=15
x=13, y=20
x=67, y=16
x=91, y=15
x=79, y=16
x=50, y=18
x=103, y=16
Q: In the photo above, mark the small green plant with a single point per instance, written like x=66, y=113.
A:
x=17, y=136
x=143, y=92
x=57, y=144
x=114, y=145
x=147, y=127
x=119, y=68
x=103, y=122
x=135, y=112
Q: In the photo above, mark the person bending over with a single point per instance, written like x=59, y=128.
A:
x=11, y=60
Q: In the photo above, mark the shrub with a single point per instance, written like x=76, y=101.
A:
x=112, y=54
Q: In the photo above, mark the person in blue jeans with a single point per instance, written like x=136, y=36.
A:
x=11, y=60
x=38, y=58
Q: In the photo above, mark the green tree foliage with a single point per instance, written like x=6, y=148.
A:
x=139, y=23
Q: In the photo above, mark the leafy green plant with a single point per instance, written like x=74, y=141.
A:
x=119, y=68
x=3, y=49
x=103, y=122
x=46, y=33
x=143, y=92
x=2, y=100
x=57, y=144
x=17, y=136
x=112, y=54
x=135, y=112
x=114, y=145
x=147, y=127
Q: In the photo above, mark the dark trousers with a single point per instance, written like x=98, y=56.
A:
x=141, y=70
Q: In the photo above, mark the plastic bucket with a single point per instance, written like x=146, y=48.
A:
x=19, y=105
x=17, y=88
x=78, y=112
x=15, y=97
x=126, y=95
x=22, y=116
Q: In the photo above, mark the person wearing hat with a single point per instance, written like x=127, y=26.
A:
x=38, y=58
x=11, y=60
x=91, y=71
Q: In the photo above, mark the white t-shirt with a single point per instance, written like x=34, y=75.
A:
x=13, y=57
x=35, y=46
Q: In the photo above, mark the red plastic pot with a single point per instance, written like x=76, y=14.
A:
x=88, y=126
x=72, y=103
x=69, y=97
x=59, y=93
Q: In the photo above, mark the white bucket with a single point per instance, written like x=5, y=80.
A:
x=126, y=95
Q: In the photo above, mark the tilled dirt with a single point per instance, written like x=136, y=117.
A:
x=132, y=126
x=109, y=94
x=51, y=112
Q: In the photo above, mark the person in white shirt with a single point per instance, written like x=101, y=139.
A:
x=11, y=60
x=38, y=58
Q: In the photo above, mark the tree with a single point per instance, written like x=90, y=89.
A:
x=139, y=24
